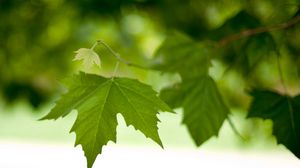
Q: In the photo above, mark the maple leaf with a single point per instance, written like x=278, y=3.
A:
x=284, y=111
x=98, y=100
x=204, y=109
x=89, y=57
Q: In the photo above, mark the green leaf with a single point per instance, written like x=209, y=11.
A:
x=98, y=100
x=204, y=109
x=284, y=111
x=179, y=53
x=89, y=57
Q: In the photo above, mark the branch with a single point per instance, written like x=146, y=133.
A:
x=250, y=32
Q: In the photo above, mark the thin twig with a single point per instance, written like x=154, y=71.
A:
x=118, y=57
x=113, y=52
x=250, y=32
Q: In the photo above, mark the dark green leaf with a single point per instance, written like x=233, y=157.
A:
x=284, y=111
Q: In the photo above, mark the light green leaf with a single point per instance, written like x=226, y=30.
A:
x=204, y=109
x=98, y=100
x=89, y=57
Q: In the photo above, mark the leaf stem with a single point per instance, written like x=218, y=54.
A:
x=94, y=45
x=291, y=112
x=115, y=69
x=280, y=73
x=234, y=129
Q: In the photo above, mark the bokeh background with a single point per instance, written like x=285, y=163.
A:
x=37, y=43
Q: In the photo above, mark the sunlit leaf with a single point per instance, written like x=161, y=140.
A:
x=89, y=57
x=98, y=100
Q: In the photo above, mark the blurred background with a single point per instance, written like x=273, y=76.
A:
x=37, y=43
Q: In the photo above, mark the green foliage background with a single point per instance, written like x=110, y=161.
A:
x=234, y=45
